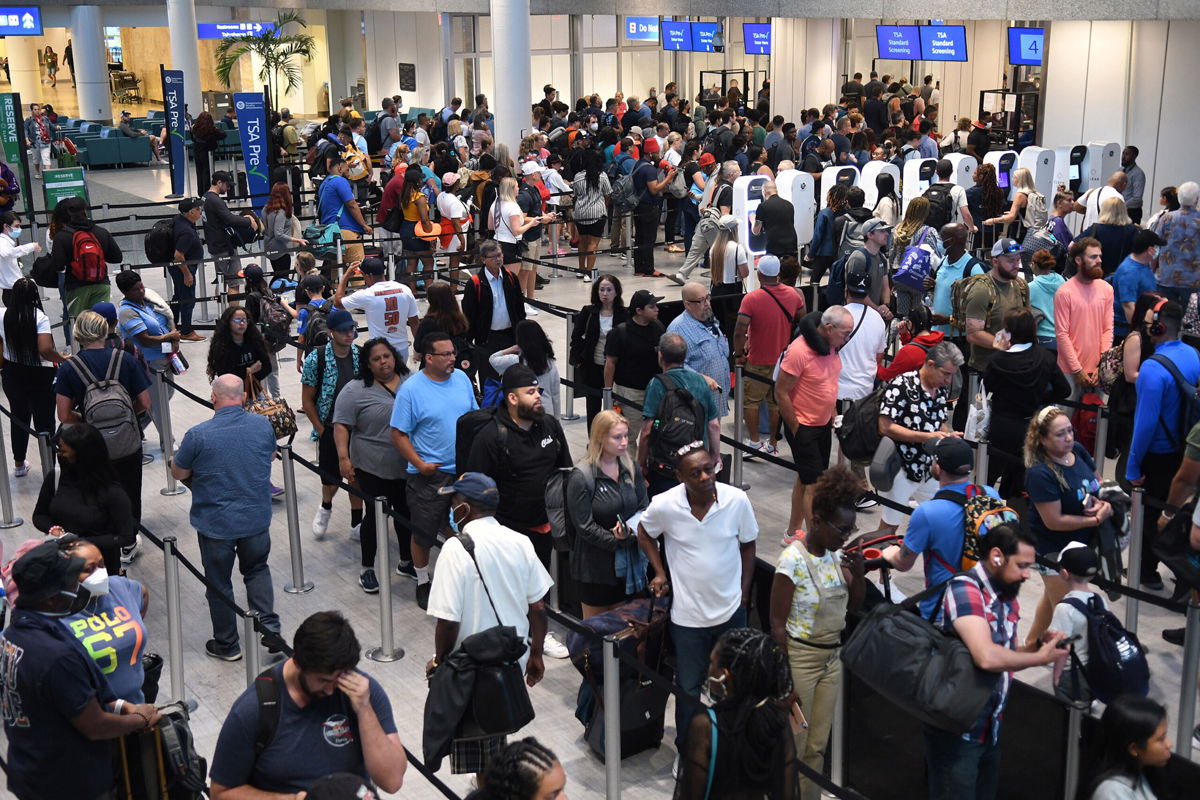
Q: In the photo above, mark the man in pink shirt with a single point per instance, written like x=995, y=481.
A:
x=806, y=392
x=1083, y=317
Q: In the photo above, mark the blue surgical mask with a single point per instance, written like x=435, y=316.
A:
x=454, y=522
x=15, y=233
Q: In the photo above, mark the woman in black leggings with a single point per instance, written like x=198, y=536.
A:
x=28, y=372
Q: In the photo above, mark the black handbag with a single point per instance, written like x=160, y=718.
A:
x=925, y=671
x=500, y=702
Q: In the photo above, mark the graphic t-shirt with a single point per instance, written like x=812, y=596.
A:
x=1044, y=486
x=806, y=598
x=388, y=306
x=111, y=631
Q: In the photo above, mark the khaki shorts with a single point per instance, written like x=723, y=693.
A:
x=351, y=251
x=755, y=391
x=532, y=250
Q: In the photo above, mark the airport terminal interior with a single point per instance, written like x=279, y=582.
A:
x=1055, y=97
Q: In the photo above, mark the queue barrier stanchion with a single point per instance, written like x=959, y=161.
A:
x=972, y=387
x=981, y=461
x=1187, y=687
x=6, y=504
x=46, y=451
x=250, y=646
x=1135, y=556
x=739, y=400
x=1101, y=438
x=606, y=403
x=568, y=406
x=837, y=744
x=1071, y=761
x=202, y=287
x=387, y=650
x=298, y=584
x=612, y=720
x=162, y=398
x=174, y=622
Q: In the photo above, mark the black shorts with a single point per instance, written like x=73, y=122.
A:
x=327, y=458
x=810, y=445
x=601, y=594
x=428, y=511
x=512, y=252
x=595, y=229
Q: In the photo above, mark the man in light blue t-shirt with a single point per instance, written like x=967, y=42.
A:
x=957, y=264
x=936, y=528
x=424, y=418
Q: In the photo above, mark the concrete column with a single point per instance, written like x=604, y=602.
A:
x=511, y=66
x=91, y=64
x=23, y=67
x=185, y=50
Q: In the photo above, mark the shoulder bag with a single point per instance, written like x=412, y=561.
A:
x=275, y=409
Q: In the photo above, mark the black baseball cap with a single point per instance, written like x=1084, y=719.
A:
x=372, y=265
x=1144, y=239
x=951, y=453
x=642, y=298
x=313, y=283
x=518, y=376
x=858, y=283
x=188, y=203
x=1079, y=560
x=43, y=572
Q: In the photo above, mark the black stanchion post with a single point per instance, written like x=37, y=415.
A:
x=387, y=650
x=1187, y=688
x=250, y=645
x=298, y=584
x=46, y=452
x=1135, y=556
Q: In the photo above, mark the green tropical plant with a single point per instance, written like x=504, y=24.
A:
x=278, y=51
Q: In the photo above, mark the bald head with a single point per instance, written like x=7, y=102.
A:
x=696, y=300
x=227, y=390
x=769, y=189
x=1118, y=180
x=786, y=164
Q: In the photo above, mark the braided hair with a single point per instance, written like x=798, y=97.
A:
x=516, y=774
x=753, y=716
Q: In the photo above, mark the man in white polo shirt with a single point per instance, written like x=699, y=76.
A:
x=707, y=527
x=390, y=307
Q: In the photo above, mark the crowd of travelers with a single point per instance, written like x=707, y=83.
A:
x=905, y=331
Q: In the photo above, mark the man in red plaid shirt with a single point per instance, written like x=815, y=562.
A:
x=981, y=607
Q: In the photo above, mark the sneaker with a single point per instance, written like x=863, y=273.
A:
x=770, y=449
x=406, y=569
x=356, y=532
x=192, y=337
x=276, y=492
x=865, y=502
x=273, y=641
x=1174, y=635
x=20, y=471
x=210, y=649
x=756, y=446
x=368, y=581
x=553, y=648
x=587, y=278
x=1151, y=582
x=1196, y=738
x=679, y=278
x=792, y=536
x=530, y=311
x=321, y=521
x=128, y=554
x=146, y=458
x=423, y=595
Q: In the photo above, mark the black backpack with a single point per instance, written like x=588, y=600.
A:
x=374, y=135
x=679, y=421
x=316, y=329
x=277, y=137
x=941, y=205
x=858, y=435
x=470, y=425
x=1116, y=660
x=268, y=689
x=185, y=772
x=835, y=289
x=160, y=241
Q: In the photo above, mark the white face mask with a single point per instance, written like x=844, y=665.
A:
x=97, y=582
x=595, y=126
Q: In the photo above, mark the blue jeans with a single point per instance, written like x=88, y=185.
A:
x=692, y=649
x=958, y=769
x=1176, y=293
x=183, y=297
x=217, y=556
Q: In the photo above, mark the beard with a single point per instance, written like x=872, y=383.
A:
x=1094, y=273
x=1008, y=591
x=531, y=413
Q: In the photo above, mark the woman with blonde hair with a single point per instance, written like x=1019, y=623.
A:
x=1028, y=204
x=912, y=230
x=1115, y=231
x=604, y=492
x=1062, y=484
x=454, y=133
x=728, y=258
x=510, y=223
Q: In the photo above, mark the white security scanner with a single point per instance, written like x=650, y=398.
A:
x=1101, y=161
x=1005, y=162
x=869, y=180
x=797, y=188
x=1040, y=162
x=845, y=175
x=919, y=174
x=747, y=194
x=1069, y=168
x=964, y=169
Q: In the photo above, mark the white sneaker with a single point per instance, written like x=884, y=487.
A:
x=321, y=521
x=675, y=767
x=356, y=532
x=553, y=648
x=128, y=554
x=530, y=311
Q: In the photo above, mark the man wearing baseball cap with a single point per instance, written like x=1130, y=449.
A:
x=56, y=700
x=869, y=260
x=762, y=332
x=649, y=188
x=699, y=230
x=988, y=297
x=218, y=221
x=1077, y=565
x=502, y=572
x=390, y=308
x=935, y=529
x=1133, y=276
x=188, y=252
x=631, y=360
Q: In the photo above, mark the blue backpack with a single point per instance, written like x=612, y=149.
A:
x=835, y=290
x=1116, y=660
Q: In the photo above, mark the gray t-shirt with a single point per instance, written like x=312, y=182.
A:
x=367, y=411
x=386, y=126
x=862, y=260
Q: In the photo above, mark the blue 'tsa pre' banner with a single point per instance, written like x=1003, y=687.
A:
x=252, y=126
x=172, y=80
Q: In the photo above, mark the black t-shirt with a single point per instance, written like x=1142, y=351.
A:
x=814, y=163
x=345, y=368
x=979, y=138
x=778, y=218
x=187, y=239
x=723, y=196
x=633, y=347
x=530, y=201
x=875, y=115
x=841, y=147
x=643, y=174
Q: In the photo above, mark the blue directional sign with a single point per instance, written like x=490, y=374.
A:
x=1025, y=46
x=757, y=38
x=20, y=21
x=228, y=30
x=702, y=36
x=676, y=35
x=898, y=42
x=943, y=43
x=641, y=28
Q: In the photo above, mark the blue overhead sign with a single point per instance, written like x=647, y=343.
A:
x=944, y=42
x=898, y=41
x=757, y=37
x=676, y=35
x=228, y=30
x=641, y=28
x=702, y=36
x=20, y=21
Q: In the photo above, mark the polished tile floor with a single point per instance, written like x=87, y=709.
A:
x=331, y=564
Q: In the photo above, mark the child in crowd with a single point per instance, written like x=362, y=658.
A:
x=1077, y=564
x=1045, y=283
